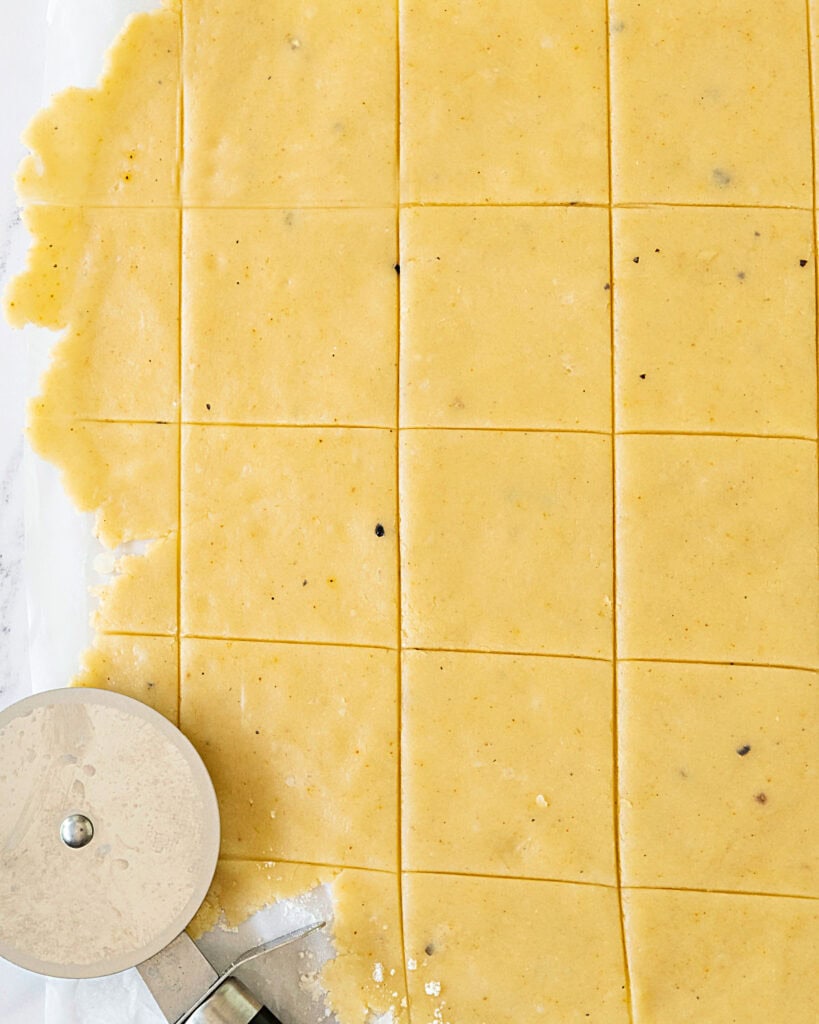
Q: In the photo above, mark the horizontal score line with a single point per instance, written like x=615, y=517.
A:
x=420, y=204
x=490, y=876
x=272, y=861
x=409, y=648
x=437, y=428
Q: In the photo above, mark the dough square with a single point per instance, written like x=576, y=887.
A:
x=717, y=777
x=280, y=538
x=111, y=278
x=143, y=667
x=126, y=473
x=716, y=549
x=486, y=115
x=508, y=766
x=289, y=104
x=722, y=958
x=506, y=950
x=290, y=316
x=506, y=541
x=505, y=317
x=715, y=325
x=710, y=103
x=301, y=744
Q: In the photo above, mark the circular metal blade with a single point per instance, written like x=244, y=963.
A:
x=81, y=911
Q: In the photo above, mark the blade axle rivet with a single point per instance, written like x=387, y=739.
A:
x=76, y=831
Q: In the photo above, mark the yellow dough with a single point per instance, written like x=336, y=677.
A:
x=717, y=286
x=305, y=758
x=292, y=516
x=494, y=556
x=117, y=144
x=307, y=119
x=449, y=374
x=143, y=667
x=543, y=293
x=125, y=472
x=717, y=549
x=506, y=950
x=486, y=114
x=240, y=887
x=717, y=777
x=488, y=806
x=369, y=969
x=111, y=277
x=710, y=103
x=306, y=300
x=141, y=597
x=737, y=956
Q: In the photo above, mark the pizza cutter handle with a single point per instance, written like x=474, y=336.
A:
x=232, y=1003
x=265, y=1016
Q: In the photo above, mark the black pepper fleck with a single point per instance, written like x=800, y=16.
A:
x=397, y=268
x=429, y=949
x=379, y=530
x=304, y=583
x=803, y=263
x=741, y=275
x=761, y=798
x=642, y=376
x=636, y=259
x=207, y=405
x=720, y=177
x=744, y=749
x=606, y=286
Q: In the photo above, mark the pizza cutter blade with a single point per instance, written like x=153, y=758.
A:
x=109, y=836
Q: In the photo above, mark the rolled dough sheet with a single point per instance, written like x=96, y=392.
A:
x=474, y=462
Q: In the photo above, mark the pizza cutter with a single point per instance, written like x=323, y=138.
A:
x=109, y=835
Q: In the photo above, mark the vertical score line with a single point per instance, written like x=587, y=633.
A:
x=399, y=630
x=179, y=187
x=614, y=595
x=809, y=30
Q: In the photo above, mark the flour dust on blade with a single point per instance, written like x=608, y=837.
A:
x=109, y=836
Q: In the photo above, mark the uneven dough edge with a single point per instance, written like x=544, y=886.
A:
x=104, y=162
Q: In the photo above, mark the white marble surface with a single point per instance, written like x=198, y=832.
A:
x=22, y=56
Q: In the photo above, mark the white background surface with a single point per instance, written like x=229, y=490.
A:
x=46, y=548
x=39, y=54
x=22, y=55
